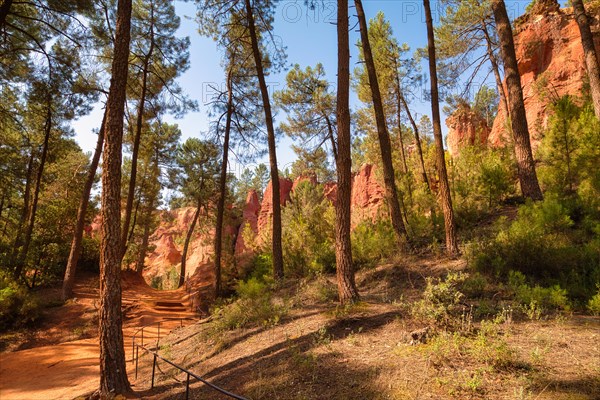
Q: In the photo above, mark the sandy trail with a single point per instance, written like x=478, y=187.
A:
x=71, y=369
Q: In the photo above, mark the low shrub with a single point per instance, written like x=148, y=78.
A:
x=254, y=306
x=475, y=285
x=441, y=303
x=18, y=306
x=372, y=242
x=593, y=304
x=546, y=245
x=317, y=290
x=532, y=297
x=308, y=232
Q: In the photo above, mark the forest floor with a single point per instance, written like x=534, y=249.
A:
x=59, y=358
x=319, y=350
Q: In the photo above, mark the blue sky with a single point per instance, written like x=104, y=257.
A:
x=308, y=35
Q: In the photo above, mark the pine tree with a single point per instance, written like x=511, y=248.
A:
x=385, y=145
x=158, y=58
x=591, y=55
x=343, y=250
x=113, y=374
x=525, y=163
x=444, y=187
x=199, y=171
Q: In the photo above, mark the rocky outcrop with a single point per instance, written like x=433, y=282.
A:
x=466, y=128
x=166, y=242
x=250, y=219
x=266, y=208
x=368, y=196
x=367, y=203
x=330, y=191
x=551, y=64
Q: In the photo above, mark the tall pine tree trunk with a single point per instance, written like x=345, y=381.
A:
x=332, y=138
x=401, y=139
x=525, y=164
x=418, y=143
x=385, y=146
x=495, y=67
x=444, y=189
x=186, y=244
x=399, y=119
x=69, y=279
x=223, y=189
x=343, y=249
x=590, y=54
x=4, y=9
x=140, y=263
x=276, y=245
x=113, y=375
x=36, y=192
x=136, y=149
x=24, y=211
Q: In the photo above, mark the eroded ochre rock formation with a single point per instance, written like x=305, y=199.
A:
x=551, y=64
x=166, y=242
x=266, y=207
x=466, y=128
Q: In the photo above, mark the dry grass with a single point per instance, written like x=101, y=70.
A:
x=321, y=351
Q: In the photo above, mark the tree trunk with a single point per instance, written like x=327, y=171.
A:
x=223, y=190
x=444, y=190
x=186, y=245
x=277, y=249
x=4, y=9
x=385, y=146
x=136, y=149
x=589, y=51
x=399, y=118
x=332, y=138
x=495, y=67
x=69, y=279
x=343, y=249
x=418, y=142
x=36, y=192
x=113, y=375
x=401, y=139
x=24, y=212
x=139, y=267
x=525, y=164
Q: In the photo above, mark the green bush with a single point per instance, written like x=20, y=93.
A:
x=474, y=285
x=545, y=244
x=441, y=303
x=372, y=243
x=593, y=304
x=308, y=232
x=317, y=289
x=537, y=297
x=480, y=179
x=253, y=307
x=18, y=306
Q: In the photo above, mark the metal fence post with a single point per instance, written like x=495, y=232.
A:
x=153, y=369
x=137, y=355
x=187, y=387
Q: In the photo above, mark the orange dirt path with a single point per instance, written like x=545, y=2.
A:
x=71, y=369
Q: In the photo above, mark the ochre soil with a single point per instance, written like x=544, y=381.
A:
x=60, y=359
x=322, y=351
